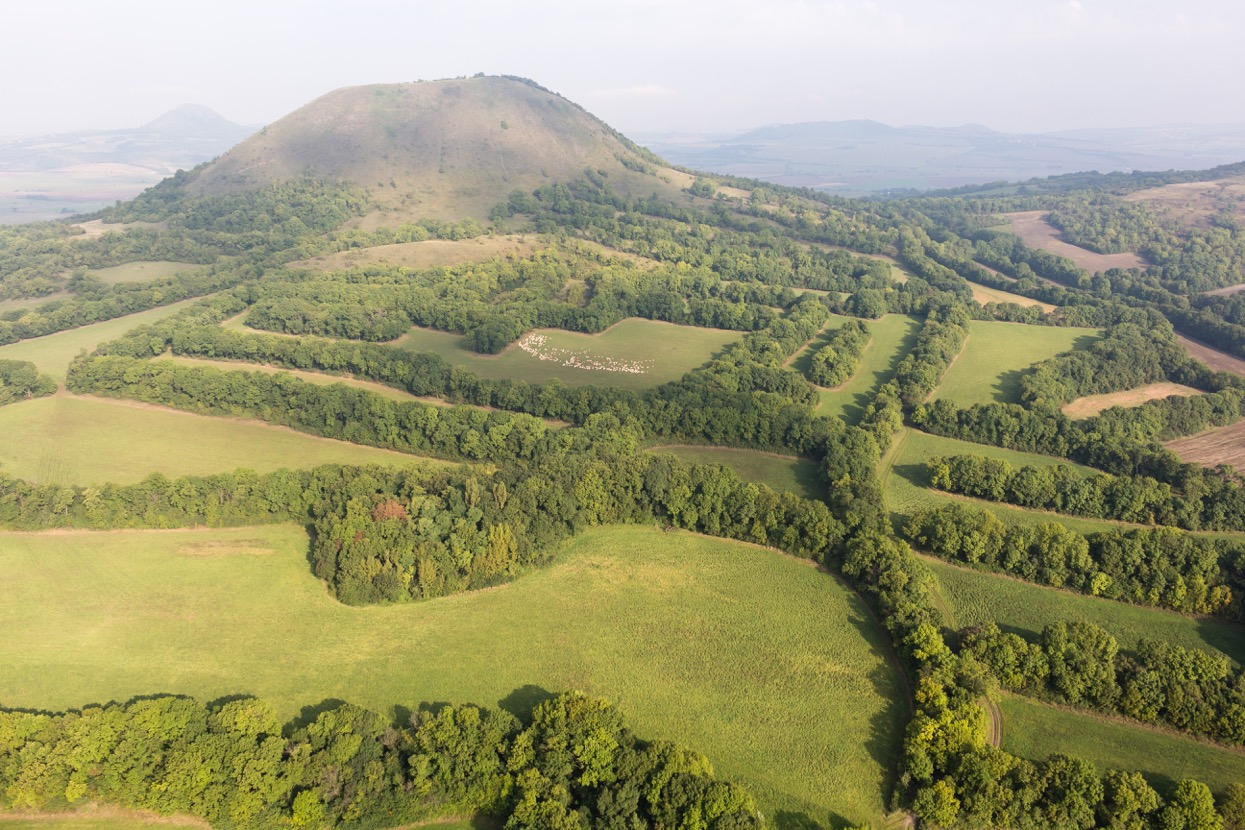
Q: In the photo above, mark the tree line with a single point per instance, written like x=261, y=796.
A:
x=1081, y=664
x=1157, y=567
x=572, y=764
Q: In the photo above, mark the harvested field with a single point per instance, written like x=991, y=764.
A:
x=1093, y=404
x=1031, y=226
x=1219, y=446
x=1215, y=359
x=431, y=253
x=1226, y=291
x=983, y=295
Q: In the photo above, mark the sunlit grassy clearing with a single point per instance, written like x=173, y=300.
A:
x=996, y=355
x=976, y=597
x=770, y=667
x=890, y=338
x=143, y=271
x=906, y=484
x=666, y=351
x=1037, y=731
x=53, y=353
x=784, y=474
x=82, y=440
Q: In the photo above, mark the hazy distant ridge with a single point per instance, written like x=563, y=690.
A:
x=861, y=156
x=181, y=138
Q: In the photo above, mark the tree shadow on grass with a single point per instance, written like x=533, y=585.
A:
x=886, y=726
x=1007, y=388
x=522, y=702
x=308, y=714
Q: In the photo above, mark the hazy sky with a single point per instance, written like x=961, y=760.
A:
x=642, y=65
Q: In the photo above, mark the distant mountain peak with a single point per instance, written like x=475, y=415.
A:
x=192, y=118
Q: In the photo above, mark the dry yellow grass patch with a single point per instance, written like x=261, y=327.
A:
x=96, y=228
x=676, y=177
x=431, y=253
x=733, y=193
x=1031, y=226
x=983, y=295
x=1194, y=203
x=1093, y=404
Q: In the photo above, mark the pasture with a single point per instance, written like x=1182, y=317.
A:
x=1036, y=731
x=1091, y=405
x=632, y=354
x=1225, y=445
x=143, y=271
x=996, y=356
x=974, y=597
x=782, y=473
x=906, y=487
x=890, y=339
x=431, y=253
x=1033, y=229
x=67, y=439
x=771, y=668
x=52, y=353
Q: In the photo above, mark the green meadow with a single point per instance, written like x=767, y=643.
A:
x=143, y=271
x=1036, y=731
x=770, y=667
x=52, y=353
x=905, y=483
x=970, y=597
x=658, y=352
x=890, y=339
x=996, y=355
x=785, y=474
x=66, y=439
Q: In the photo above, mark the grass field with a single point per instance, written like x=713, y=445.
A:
x=782, y=473
x=67, y=439
x=91, y=821
x=771, y=668
x=996, y=355
x=53, y=352
x=974, y=597
x=144, y=271
x=906, y=485
x=1036, y=731
x=658, y=352
x=431, y=253
x=890, y=338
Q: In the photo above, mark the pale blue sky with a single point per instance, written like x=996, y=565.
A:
x=642, y=65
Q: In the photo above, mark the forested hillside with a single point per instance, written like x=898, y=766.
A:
x=918, y=354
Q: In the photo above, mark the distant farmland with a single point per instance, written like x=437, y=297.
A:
x=1031, y=226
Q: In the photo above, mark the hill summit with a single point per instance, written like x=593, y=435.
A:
x=444, y=149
